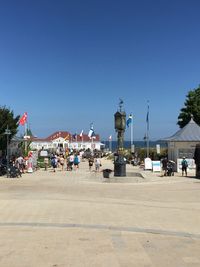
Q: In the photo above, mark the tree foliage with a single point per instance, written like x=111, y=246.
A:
x=191, y=108
x=7, y=119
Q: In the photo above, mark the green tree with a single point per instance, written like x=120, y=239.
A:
x=191, y=108
x=7, y=119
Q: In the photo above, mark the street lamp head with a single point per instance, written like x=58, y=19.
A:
x=120, y=121
x=7, y=131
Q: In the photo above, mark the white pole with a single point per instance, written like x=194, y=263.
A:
x=147, y=121
x=92, y=144
x=131, y=133
x=82, y=140
x=147, y=143
x=25, y=129
x=110, y=144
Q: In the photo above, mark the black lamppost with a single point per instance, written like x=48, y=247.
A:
x=197, y=160
x=120, y=126
x=7, y=133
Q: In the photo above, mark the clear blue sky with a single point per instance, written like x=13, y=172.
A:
x=67, y=63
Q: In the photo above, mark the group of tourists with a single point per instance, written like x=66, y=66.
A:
x=71, y=162
x=15, y=167
x=168, y=167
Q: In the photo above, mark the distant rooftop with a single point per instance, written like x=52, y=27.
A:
x=68, y=136
x=190, y=132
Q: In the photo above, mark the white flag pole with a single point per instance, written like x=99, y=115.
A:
x=82, y=141
x=147, y=121
x=25, y=137
x=131, y=132
x=110, y=143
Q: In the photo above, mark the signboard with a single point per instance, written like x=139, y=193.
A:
x=158, y=149
x=147, y=164
x=156, y=165
x=187, y=153
x=43, y=153
x=132, y=148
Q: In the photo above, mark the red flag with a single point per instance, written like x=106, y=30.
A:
x=23, y=119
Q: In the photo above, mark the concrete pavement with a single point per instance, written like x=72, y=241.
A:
x=81, y=219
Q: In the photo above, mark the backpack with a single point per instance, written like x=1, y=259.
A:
x=76, y=161
x=184, y=163
x=53, y=162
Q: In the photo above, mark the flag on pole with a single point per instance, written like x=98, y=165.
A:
x=129, y=121
x=93, y=135
x=91, y=131
x=147, y=118
x=23, y=119
x=74, y=136
x=67, y=137
x=81, y=134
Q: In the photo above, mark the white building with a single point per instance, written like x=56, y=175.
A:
x=63, y=140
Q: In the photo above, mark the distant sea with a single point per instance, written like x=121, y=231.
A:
x=138, y=144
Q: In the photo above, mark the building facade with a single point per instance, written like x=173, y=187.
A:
x=64, y=140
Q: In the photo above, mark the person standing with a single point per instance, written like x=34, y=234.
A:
x=46, y=163
x=164, y=166
x=184, y=165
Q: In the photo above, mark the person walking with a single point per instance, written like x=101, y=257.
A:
x=184, y=165
x=97, y=164
x=76, y=161
x=54, y=163
x=90, y=161
x=71, y=162
x=62, y=161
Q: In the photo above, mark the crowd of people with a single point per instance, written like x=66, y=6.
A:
x=68, y=161
x=71, y=161
x=17, y=165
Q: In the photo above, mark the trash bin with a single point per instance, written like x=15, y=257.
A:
x=106, y=173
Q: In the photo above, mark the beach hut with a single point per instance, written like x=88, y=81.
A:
x=183, y=143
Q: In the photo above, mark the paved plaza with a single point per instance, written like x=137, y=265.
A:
x=79, y=218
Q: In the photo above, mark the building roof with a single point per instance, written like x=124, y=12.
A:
x=67, y=136
x=58, y=134
x=190, y=132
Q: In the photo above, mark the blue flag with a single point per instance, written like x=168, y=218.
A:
x=147, y=118
x=74, y=136
x=129, y=121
